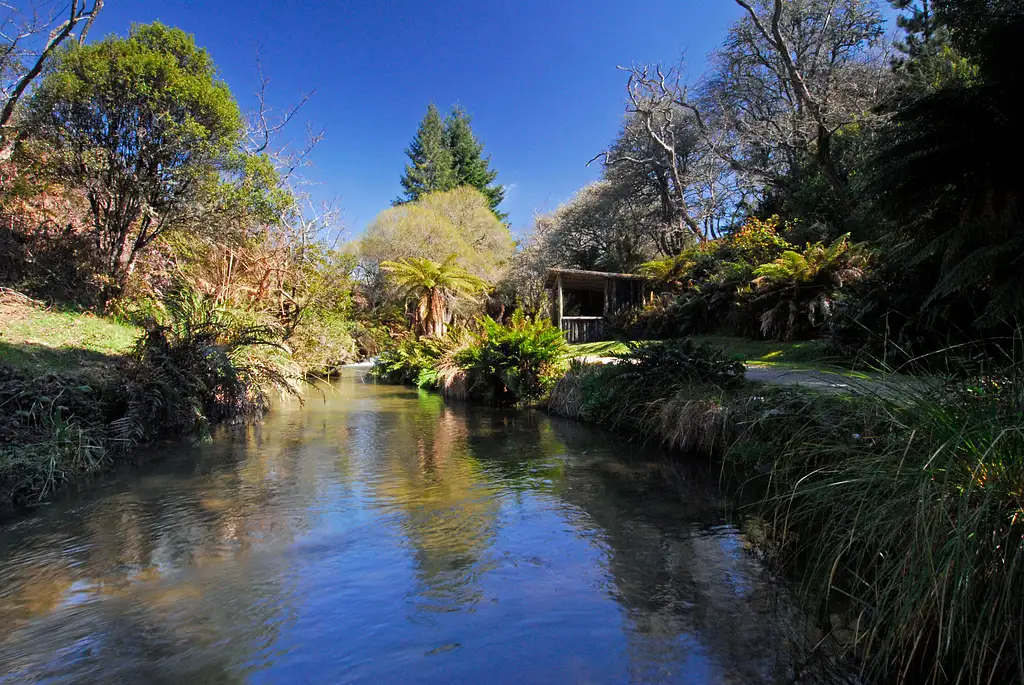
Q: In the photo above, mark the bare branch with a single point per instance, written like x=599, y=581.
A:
x=79, y=12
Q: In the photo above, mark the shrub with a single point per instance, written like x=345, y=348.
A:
x=411, y=360
x=796, y=295
x=323, y=342
x=636, y=392
x=203, y=364
x=701, y=285
x=517, y=363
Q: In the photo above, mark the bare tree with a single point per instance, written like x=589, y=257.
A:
x=22, y=60
x=666, y=153
x=789, y=76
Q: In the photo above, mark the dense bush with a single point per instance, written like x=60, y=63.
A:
x=517, y=363
x=700, y=286
x=410, y=360
x=201, y=364
x=795, y=295
x=323, y=341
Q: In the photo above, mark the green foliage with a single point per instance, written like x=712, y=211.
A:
x=445, y=155
x=202, y=364
x=701, y=285
x=516, y=363
x=468, y=162
x=142, y=124
x=45, y=435
x=324, y=341
x=796, y=294
x=411, y=361
x=431, y=167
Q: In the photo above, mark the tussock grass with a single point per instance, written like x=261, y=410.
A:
x=905, y=514
x=691, y=423
x=671, y=391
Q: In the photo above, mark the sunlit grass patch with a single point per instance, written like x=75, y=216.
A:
x=37, y=338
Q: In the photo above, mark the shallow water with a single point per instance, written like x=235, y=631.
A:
x=376, y=535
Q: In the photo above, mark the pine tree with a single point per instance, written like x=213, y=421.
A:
x=926, y=59
x=431, y=168
x=470, y=166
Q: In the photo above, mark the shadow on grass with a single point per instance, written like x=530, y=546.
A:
x=40, y=359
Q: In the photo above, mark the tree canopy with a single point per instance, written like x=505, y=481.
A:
x=445, y=155
x=455, y=222
x=143, y=124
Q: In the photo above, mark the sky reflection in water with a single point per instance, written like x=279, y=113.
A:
x=379, y=536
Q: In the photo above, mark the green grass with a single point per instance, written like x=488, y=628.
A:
x=802, y=353
x=768, y=351
x=604, y=348
x=33, y=338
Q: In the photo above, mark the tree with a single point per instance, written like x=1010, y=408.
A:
x=433, y=287
x=143, y=125
x=789, y=77
x=927, y=59
x=971, y=22
x=20, y=65
x=445, y=155
x=666, y=154
x=597, y=229
x=948, y=175
x=431, y=166
x=458, y=222
x=471, y=168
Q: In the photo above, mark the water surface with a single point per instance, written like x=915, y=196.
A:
x=376, y=535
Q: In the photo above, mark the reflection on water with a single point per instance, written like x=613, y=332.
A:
x=380, y=536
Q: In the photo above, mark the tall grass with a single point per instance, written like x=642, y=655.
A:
x=906, y=516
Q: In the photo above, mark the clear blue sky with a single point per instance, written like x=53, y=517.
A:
x=537, y=76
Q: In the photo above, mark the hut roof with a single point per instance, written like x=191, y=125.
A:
x=577, y=279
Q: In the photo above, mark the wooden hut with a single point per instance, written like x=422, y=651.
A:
x=582, y=300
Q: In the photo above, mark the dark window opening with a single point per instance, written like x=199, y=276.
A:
x=582, y=303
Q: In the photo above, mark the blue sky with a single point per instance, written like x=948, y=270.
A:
x=538, y=77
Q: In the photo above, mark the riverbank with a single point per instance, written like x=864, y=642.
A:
x=78, y=392
x=897, y=506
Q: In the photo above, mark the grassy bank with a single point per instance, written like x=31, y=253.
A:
x=37, y=339
x=759, y=352
x=78, y=391
x=902, y=514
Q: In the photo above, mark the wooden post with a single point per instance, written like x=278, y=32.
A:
x=558, y=301
x=608, y=294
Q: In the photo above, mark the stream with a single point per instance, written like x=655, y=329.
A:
x=376, y=535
